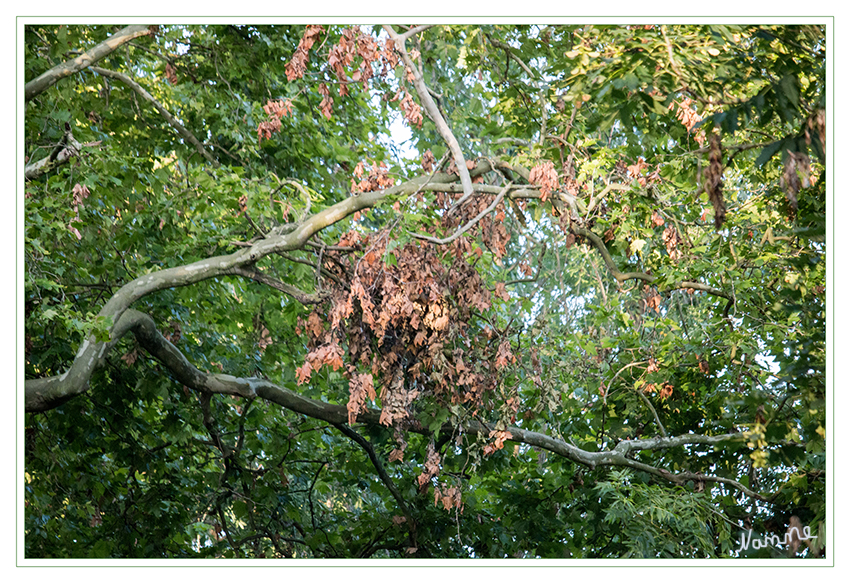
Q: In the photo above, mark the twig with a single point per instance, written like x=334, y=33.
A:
x=470, y=224
x=382, y=473
x=539, y=269
x=542, y=94
x=289, y=290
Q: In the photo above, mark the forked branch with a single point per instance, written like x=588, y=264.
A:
x=434, y=112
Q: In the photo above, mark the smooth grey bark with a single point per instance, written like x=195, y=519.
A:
x=87, y=59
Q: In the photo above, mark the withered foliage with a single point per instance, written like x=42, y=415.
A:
x=796, y=174
x=405, y=330
x=544, y=176
x=297, y=66
x=713, y=176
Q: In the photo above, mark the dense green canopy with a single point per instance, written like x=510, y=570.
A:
x=579, y=313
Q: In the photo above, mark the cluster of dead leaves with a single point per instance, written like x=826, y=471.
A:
x=544, y=176
x=490, y=230
x=430, y=469
x=297, y=66
x=275, y=110
x=353, y=43
x=409, y=324
x=652, y=300
x=671, y=239
x=712, y=179
x=171, y=73
x=663, y=391
x=79, y=193
x=449, y=497
x=428, y=161
x=377, y=177
x=499, y=438
x=796, y=174
x=688, y=117
x=326, y=106
x=412, y=111
x=635, y=172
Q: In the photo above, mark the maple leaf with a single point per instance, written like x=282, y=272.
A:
x=302, y=373
x=265, y=339
x=315, y=325
x=420, y=338
x=170, y=73
x=504, y=355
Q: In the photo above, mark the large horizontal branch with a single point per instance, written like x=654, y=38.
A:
x=56, y=389
x=621, y=277
x=184, y=133
x=183, y=371
x=88, y=58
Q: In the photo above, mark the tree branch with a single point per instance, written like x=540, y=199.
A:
x=622, y=277
x=289, y=290
x=85, y=60
x=59, y=388
x=470, y=224
x=382, y=473
x=542, y=94
x=61, y=154
x=434, y=112
x=415, y=30
x=184, y=133
x=185, y=372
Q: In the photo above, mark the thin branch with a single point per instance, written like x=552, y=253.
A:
x=434, y=112
x=470, y=224
x=382, y=473
x=226, y=530
x=83, y=61
x=669, y=45
x=539, y=269
x=541, y=92
x=623, y=277
x=186, y=134
x=415, y=30
x=289, y=290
